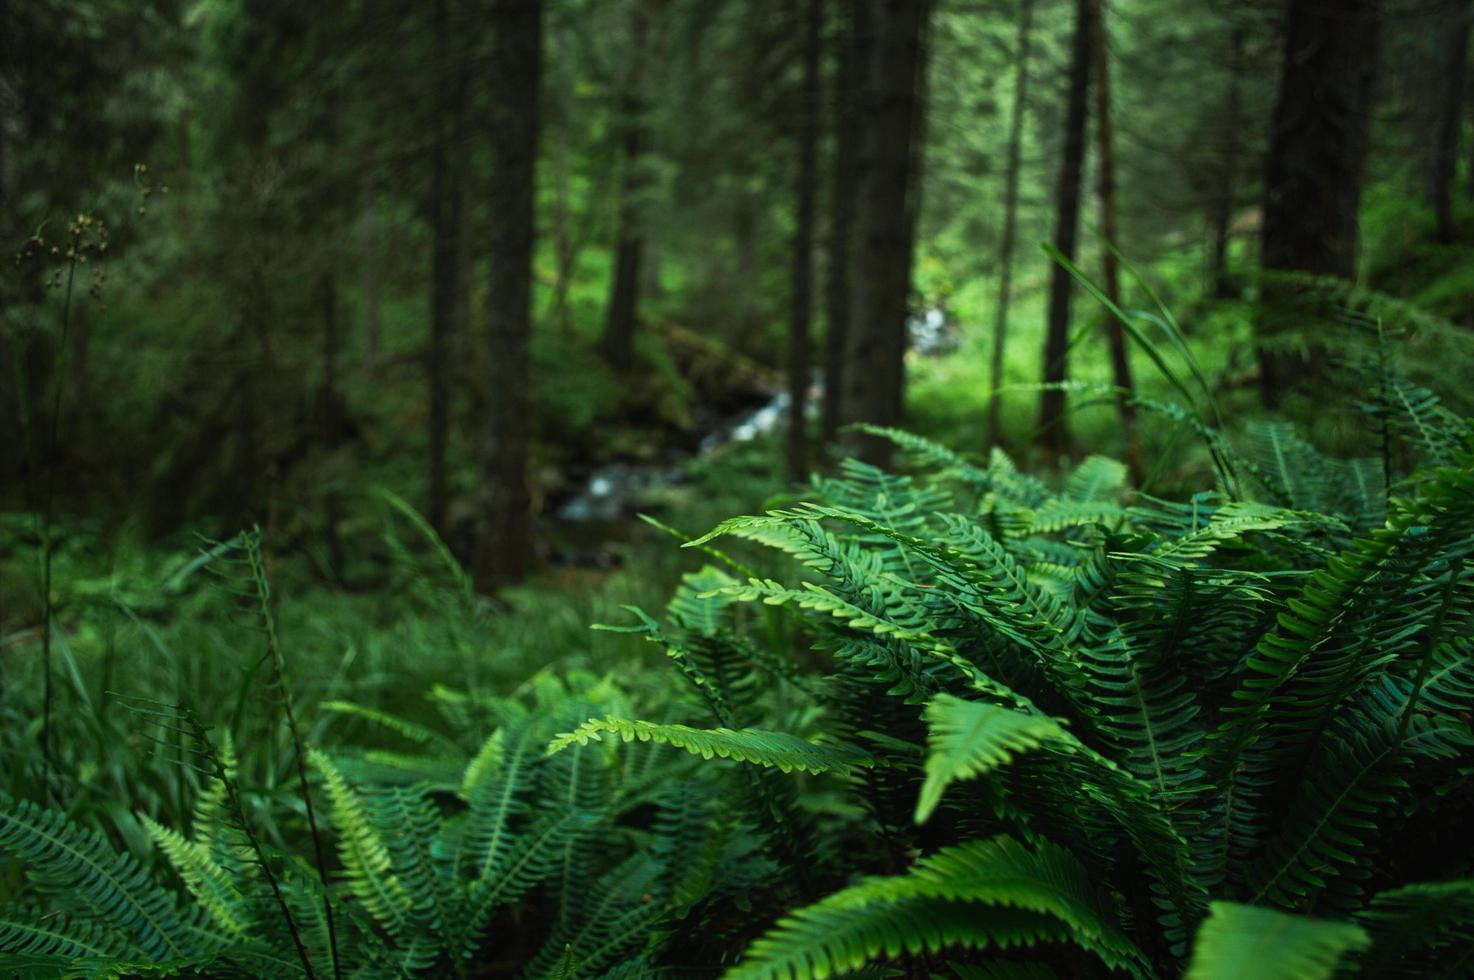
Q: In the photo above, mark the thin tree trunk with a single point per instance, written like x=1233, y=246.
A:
x=445, y=280
x=842, y=205
x=617, y=345
x=504, y=541
x=1109, y=230
x=1010, y=214
x=373, y=262
x=1450, y=120
x=803, y=251
x=1223, y=205
x=1054, y=434
x=914, y=184
x=1317, y=148
x=877, y=342
x=330, y=415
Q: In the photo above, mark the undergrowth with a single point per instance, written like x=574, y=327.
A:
x=978, y=726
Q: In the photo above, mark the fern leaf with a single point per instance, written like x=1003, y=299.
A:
x=1237, y=941
x=1029, y=896
x=27, y=930
x=212, y=884
x=78, y=867
x=763, y=748
x=1098, y=479
x=365, y=858
x=1421, y=930
x=969, y=738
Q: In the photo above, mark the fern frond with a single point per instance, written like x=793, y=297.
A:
x=497, y=795
x=27, y=930
x=969, y=738
x=1421, y=930
x=1238, y=941
x=364, y=855
x=214, y=885
x=77, y=866
x=1098, y=479
x=778, y=750
x=518, y=867
x=1030, y=897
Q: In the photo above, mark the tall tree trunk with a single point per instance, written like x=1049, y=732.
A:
x=504, y=541
x=1223, y=203
x=1010, y=214
x=1109, y=230
x=1450, y=118
x=843, y=202
x=1054, y=434
x=803, y=250
x=445, y=279
x=617, y=345
x=877, y=341
x=373, y=270
x=330, y=415
x=1317, y=147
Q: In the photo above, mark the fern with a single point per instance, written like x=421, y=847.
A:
x=1241, y=940
x=969, y=739
x=81, y=872
x=1031, y=896
x=771, y=749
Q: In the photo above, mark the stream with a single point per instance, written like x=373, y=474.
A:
x=599, y=512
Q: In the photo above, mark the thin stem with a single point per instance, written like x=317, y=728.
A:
x=279, y=681
x=199, y=733
x=48, y=507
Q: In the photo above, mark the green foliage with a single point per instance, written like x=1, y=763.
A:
x=1201, y=704
x=1022, y=727
x=986, y=893
x=775, y=749
x=1242, y=940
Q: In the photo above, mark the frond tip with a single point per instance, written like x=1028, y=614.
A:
x=1244, y=940
x=969, y=738
x=778, y=750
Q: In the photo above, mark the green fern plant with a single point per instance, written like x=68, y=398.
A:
x=1219, y=715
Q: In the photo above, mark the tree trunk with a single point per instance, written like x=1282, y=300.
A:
x=373, y=270
x=504, y=541
x=1110, y=233
x=617, y=345
x=1054, y=433
x=445, y=279
x=330, y=416
x=1223, y=204
x=1450, y=119
x=1317, y=147
x=877, y=341
x=803, y=251
x=1010, y=214
x=843, y=203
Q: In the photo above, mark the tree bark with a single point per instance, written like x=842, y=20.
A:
x=1010, y=215
x=843, y=202
x=803, y=250
x=1054, y=433
x=1223, y=204
x=1317, y=148
x=373, y=270
x=1109, y=229
x=617, y=345
x=330, y=415
x=504, y=541
x=445, y=280
x=888, y=122
x=1450, y=119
